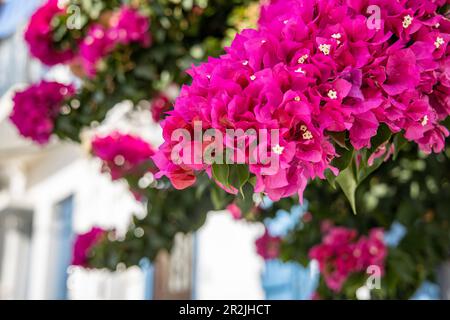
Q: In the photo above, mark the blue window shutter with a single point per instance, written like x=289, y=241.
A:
x=64, y=238
x=149, y=273
x=289, y=281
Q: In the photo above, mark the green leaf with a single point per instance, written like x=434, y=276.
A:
x=239, y=176
x=252, y=180
x=446, y=123
x=383, y=135
x=218, y=197
x=364, y=170
x=342, y=162
x=345, y=158
x=221, y=173
x=215, y=199
x=245, y=203
x=243, y=174
x=348, y=184
x=399, y=143
x=340, y=139
x=331, y=178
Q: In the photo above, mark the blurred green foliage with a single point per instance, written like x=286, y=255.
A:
x=184, y=32
x=413, y=190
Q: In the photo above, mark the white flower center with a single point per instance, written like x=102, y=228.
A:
x=332, y=94
x=307, y=135
x=302, y=59
x=407, y=21
x=439, y=42
x=425, y=120
x=336, y=36
x=278, y=149
x=325, y=49
x=300, y=70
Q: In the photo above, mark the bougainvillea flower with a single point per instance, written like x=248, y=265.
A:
x=129, y=26
x=83, y=244
x=122, y=154
x=343, y=253
x=97, y=44
x=125, y=27
x=312, y=68
x=39, y=35
x=159, y=106
x=37, y=107
x=268, y=247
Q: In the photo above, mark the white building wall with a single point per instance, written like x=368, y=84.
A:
x=227, y=264
x=97, y=201
x=105, y=285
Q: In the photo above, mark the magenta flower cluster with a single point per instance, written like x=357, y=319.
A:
x=39, y=35
x=343, y=253
x=267, y=246
x=37, y=107
x=316, y=67
x=83, y=244
x=160, y=105
x=122, y=154
x=126, y=26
